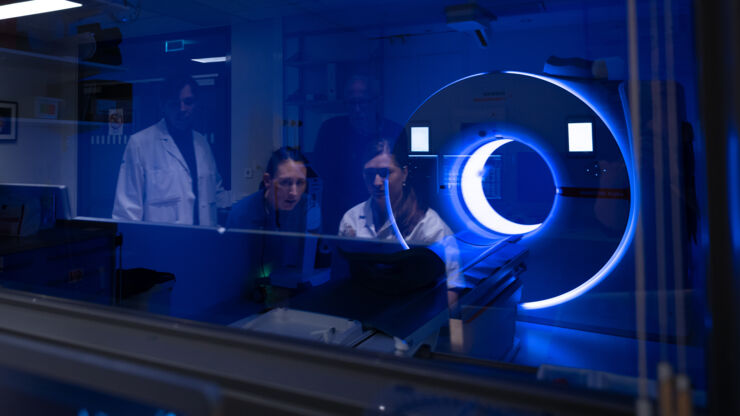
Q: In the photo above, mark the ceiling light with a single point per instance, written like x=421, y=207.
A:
x=213, y=59
x=27, y=8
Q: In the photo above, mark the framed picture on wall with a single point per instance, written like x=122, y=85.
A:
x=8, y=121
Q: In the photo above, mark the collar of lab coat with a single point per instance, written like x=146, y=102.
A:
x=370, y=223
x=169, y=144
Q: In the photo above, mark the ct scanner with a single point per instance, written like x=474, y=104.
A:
x=578, y=130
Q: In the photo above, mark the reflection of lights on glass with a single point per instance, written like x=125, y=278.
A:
x=381, y=408
x=212, y=59
x=391, y=217
x=27, y=8
x=266, y=271
x=471, y=185
x=174, y=45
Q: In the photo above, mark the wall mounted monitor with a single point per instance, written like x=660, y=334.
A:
x=420, y=139
x=580, y=137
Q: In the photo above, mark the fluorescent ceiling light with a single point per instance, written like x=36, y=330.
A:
x=27, y=8
x=213, y=59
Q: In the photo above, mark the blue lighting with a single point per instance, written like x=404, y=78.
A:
x=174, y=45
x=475, y=142
x=634, y=206
x=520, y=134
x=733, y=166
x=471, y=186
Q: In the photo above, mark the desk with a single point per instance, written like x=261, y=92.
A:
x=406, y=322
x=74, y=259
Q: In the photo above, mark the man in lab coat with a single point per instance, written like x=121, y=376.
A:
x=156, y=179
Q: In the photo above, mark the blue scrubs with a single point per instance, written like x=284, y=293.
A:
x=253, y=213
x=276, y=251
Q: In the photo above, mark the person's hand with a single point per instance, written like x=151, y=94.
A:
x=347, y=231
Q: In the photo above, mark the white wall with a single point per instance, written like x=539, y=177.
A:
x=46, y=151
x=256, y=101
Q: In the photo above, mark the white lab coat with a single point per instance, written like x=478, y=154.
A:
x=154, y=182
x=358, y=222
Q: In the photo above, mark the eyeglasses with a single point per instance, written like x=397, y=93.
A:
x=370, y=173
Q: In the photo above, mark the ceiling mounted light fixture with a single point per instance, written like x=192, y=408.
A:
x=28, y=8
x=212, y=60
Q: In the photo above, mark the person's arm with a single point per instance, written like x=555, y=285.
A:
x=346, y=228
x=235, y=219
x=129, y=198
x=223, y=196
x=442, y=241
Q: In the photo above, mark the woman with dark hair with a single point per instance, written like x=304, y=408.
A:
x=417, y=223
x=280, y=203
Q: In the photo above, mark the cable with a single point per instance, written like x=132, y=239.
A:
x=391, y=218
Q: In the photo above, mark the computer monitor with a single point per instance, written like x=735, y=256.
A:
x=26, y=208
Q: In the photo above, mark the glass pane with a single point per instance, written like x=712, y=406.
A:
x=482, y=182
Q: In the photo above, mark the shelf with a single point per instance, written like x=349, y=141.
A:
x=297, y=62
x=48, y=121
x=23, y=55
x=323, y=105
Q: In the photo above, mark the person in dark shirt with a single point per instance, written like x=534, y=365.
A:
x=339, y=144
x=281, y=203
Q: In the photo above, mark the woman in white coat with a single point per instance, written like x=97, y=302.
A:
x=155, y=181
x=418, y=223
x=387, y=163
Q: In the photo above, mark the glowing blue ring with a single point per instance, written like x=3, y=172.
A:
x=631, y=221
x=471, y=187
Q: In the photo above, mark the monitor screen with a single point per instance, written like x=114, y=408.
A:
x=580, y=137
x=419, y=139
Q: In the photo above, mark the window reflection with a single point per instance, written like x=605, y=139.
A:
x=264, y=165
